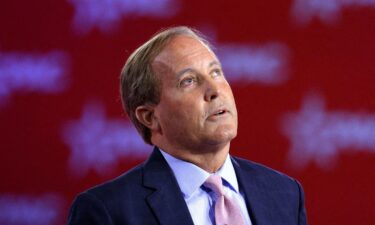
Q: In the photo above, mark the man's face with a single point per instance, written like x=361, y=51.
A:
x=196, y=108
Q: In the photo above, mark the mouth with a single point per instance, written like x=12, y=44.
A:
x=219, y=112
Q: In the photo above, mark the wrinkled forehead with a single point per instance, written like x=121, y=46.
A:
x=181, y=44
x=183, y=49
x=183, y=41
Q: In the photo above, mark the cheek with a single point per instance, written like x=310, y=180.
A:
x=186, y=113
x=227, y=88
x=183, y=105
x=172, y=109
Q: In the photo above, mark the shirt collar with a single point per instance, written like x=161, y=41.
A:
x=191, y=177
x=228, y=173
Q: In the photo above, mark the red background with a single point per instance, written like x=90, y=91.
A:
x=335, y=60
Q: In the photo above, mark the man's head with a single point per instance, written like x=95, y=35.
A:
x=175, y=93
x=138, y=83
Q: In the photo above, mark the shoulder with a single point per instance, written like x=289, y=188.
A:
x=270, y=189
x=124, y=184
x=107, y=203
x=112, y=193
x=111, y=196
x=267, y=176
x=130, y=185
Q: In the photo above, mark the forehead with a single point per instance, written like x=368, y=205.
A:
x=183, y=51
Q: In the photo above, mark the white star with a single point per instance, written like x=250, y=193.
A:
x=106, y=14
x=320, y=136
x=99, y=143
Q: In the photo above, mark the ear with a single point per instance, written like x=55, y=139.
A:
x=145, y=115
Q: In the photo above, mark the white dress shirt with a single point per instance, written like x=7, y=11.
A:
x=190, y=178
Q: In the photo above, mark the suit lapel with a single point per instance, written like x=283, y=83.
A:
x=166, y=201
x=255, y=194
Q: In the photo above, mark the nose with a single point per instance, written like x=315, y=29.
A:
x=212, y=90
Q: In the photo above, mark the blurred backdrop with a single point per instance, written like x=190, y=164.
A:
x=302, y=72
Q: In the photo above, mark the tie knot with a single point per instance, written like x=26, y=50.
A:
x=214, y=183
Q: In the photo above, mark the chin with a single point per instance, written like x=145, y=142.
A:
x=225, y=136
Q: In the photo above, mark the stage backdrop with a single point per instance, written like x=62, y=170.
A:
x=302, y=72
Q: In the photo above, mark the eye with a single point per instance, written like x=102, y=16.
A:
x=187, y=82
x=216, y=73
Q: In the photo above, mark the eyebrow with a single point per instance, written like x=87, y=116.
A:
x=211, y=64
x=182, y=72
x=214, y=63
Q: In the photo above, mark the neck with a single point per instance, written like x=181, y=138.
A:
x=209, y=160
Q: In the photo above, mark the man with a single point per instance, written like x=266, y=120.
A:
x=174, y=91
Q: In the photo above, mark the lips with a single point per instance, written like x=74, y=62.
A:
x=218, y=112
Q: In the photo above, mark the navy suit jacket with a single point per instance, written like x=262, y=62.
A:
x=149, y=195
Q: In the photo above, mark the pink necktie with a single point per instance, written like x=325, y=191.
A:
x=227, y=212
